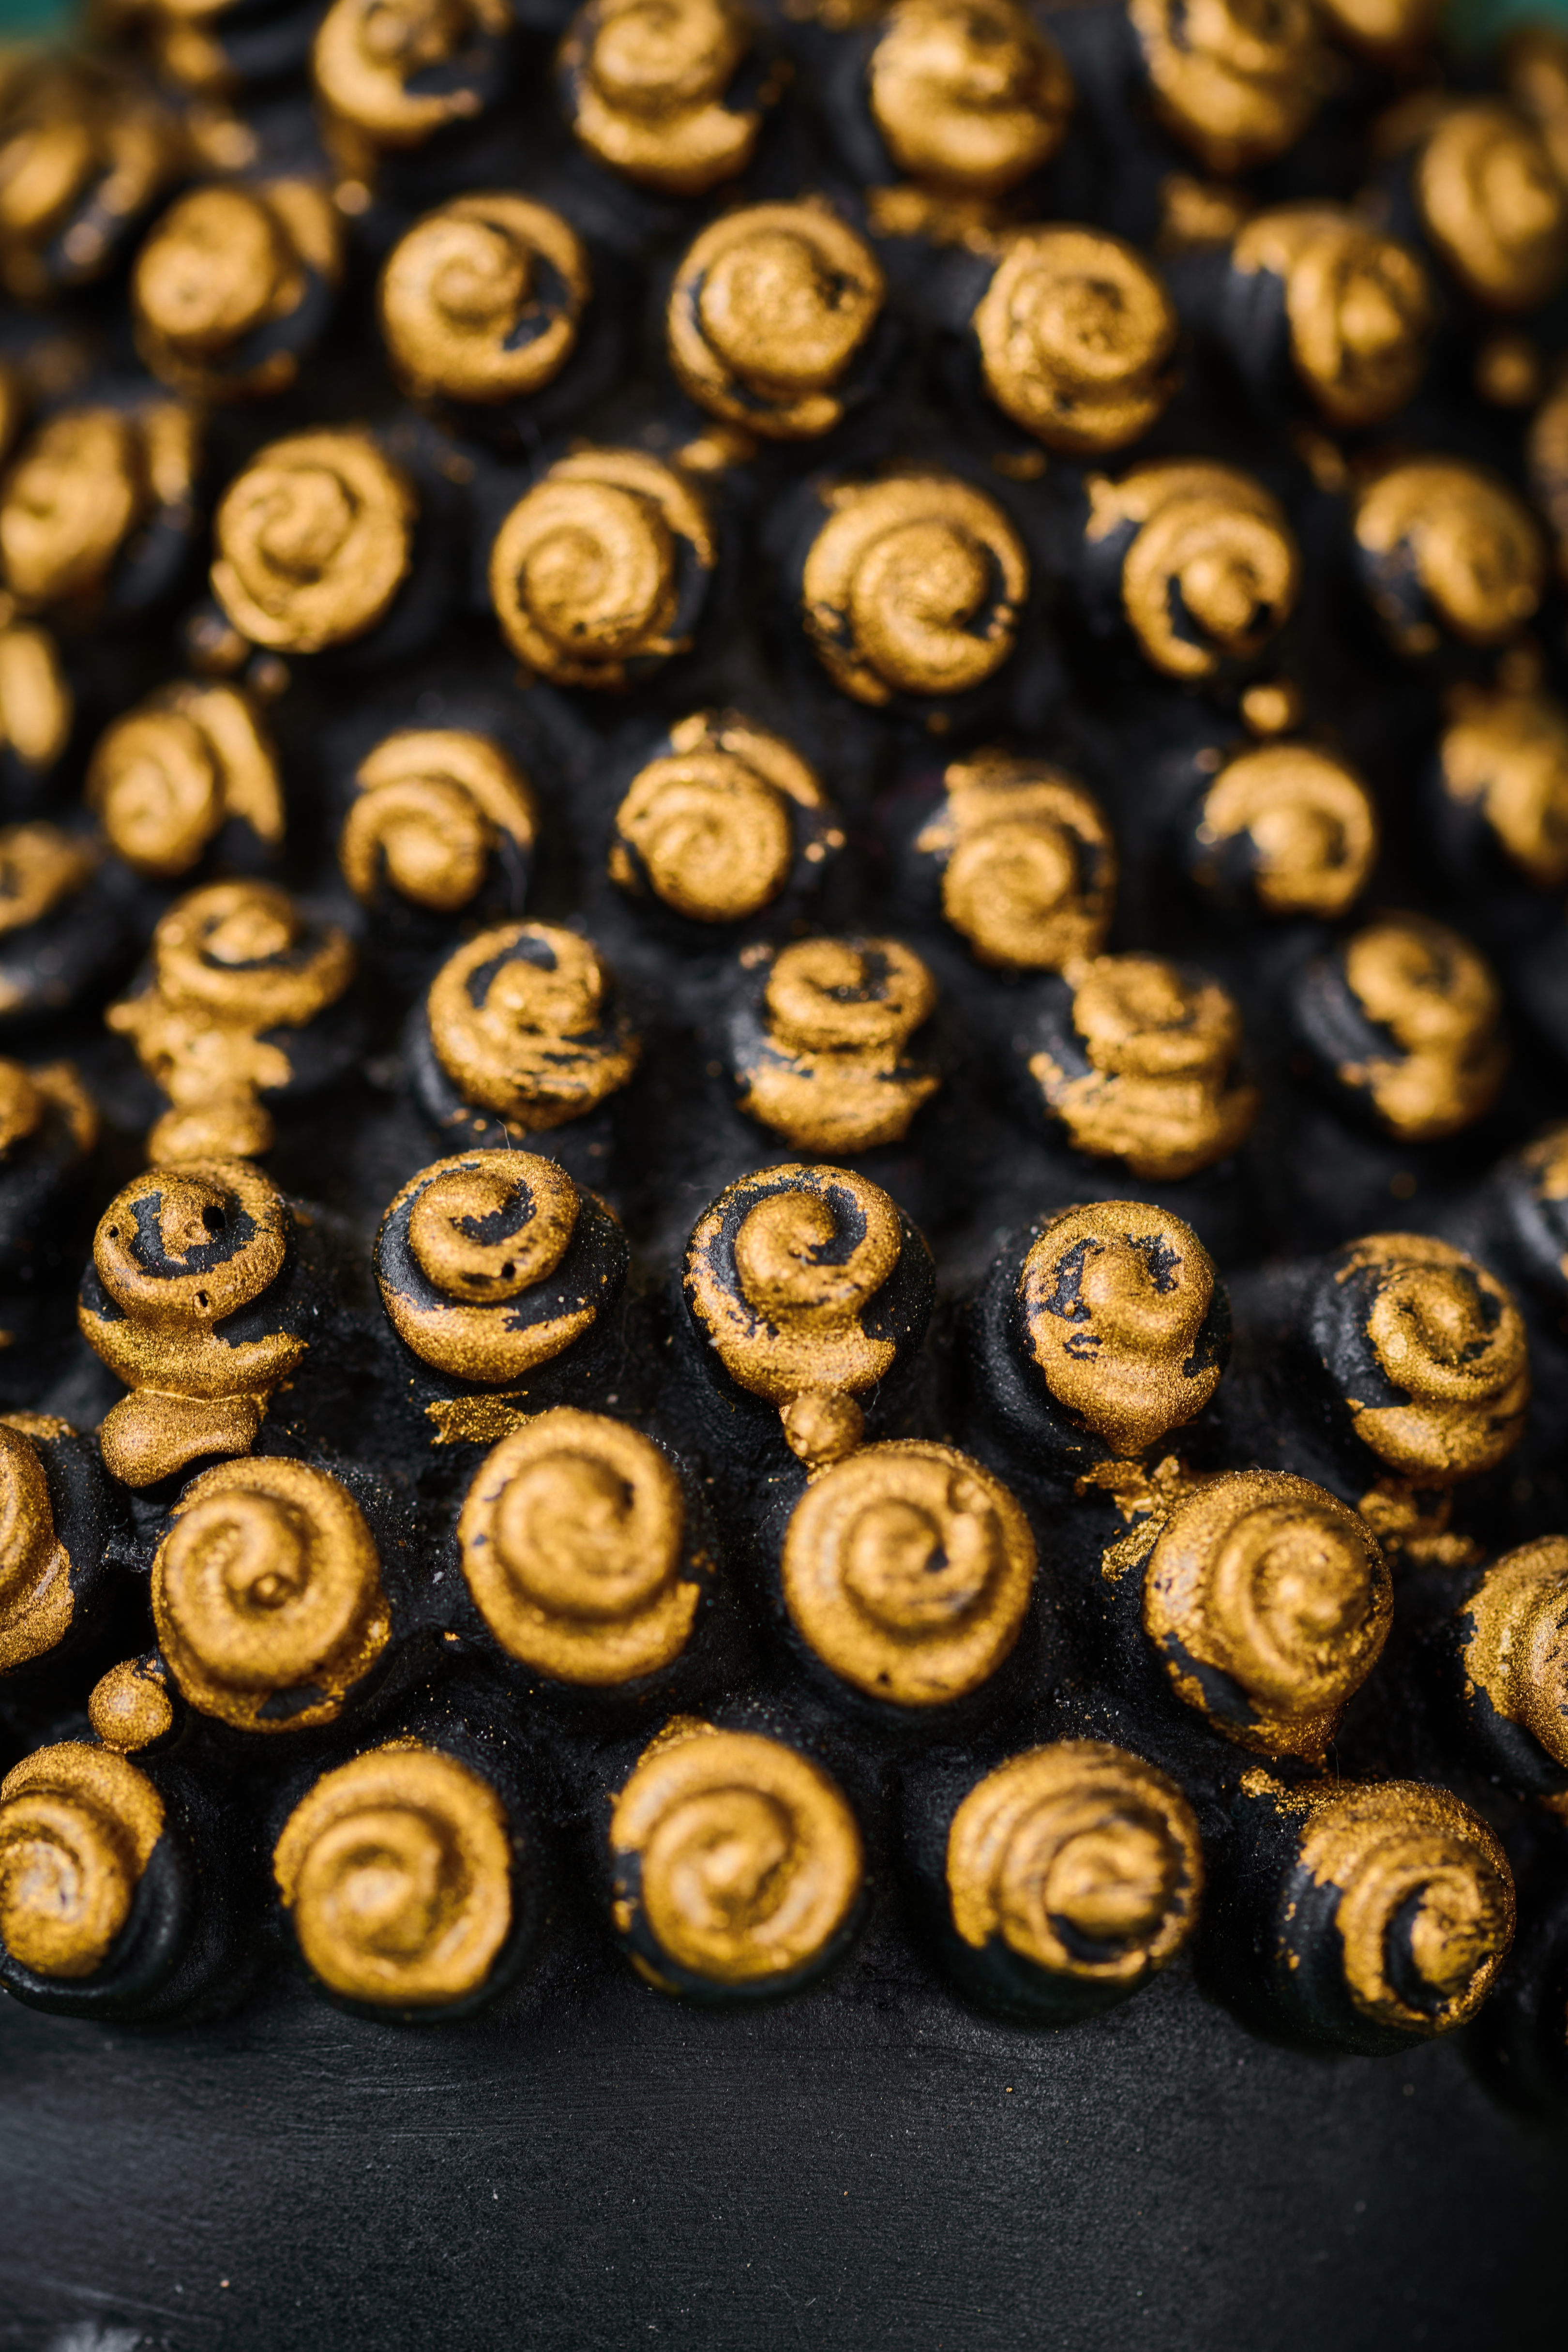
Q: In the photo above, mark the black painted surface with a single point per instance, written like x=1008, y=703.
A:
x=872, y=2167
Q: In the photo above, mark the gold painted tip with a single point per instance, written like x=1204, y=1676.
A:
x=396, y=1869
x=830, y=1073
x=1439, y=1000
x=521, y=1020
x=1265, y=1585
x=432, y=807
x=771, y=306
x=1029, y=866
x=1517, y=1648
x=1311, y=821
x=745, y=1860
x=1507, y=754
x=649, y=85
x=1075, y=333
x=907, y=1571
x=312, y=540
x=483, y=298
x=973, y=98
x=1213, y=569
x=1083, y=1860
x=1477, y=552
x=1492, y=203
x=1234, y=87
x=130, y=1707
x=77, y=1826
x=1449, y=1335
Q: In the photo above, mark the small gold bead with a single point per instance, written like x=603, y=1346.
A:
x=738, y=1863
x=396, y=1871
x=130, y=1707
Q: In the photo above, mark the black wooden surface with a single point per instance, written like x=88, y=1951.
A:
x=872, y=2167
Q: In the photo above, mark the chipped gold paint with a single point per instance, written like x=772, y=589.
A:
x=973, y=97
x=37, y=705
x=913, y=585
x=369, y=55
x=1112, y=1299
x=82, y=483
x=483, y=298
x=432, y=806
x=1426, y=1892
x=40, y=869
x=709, y=826
x=1029, y=866
x=1475, y=547
x=193, y=1393
x=78, y=1828
x=1516, y=1650
x=1447, y=1334
x=1081, y=1858
x=572, y=1540
x=1311, y=823
x=468, y=1333
x=1275, y=1584
x=737, y=1854
x=1161, y=1094
x=130, y=1707
x=396, y=1869
x=1493, y=205
x=771, y=306
x=267, y=1586
x=165, y=778
x=647, y=88
x=1414, y=1522
x=1439, y=1001
x=1213, y=569
x=36, y=1602
x=224, y=263
x=312, y=540
x=1236, y=82
x=831, y=1074
x=1508, y=755
x=907, y=1569
x=795, y=1333
x=1077, y=334
x=232, y=964
x=536, y=1048
x=585, y=572
x=1359, y=306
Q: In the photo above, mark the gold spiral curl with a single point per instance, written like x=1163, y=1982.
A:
x=539, y=1047
x=396, y=1871
x=1516, y=1650
x=907, y=1569
x=224, y=262
x=368, y=54
x=973, y=96
x=36, y=1602
x=1161, y=1092
x=585, y=572
x=1426, y=1894
x=1075, y=333
x=831, y=1074
x=432, y=806
x=483, y=298
x=179, y=1251
x=1447, y=1334
x=267, y=1586
x=913, y=585
x=1236, y=82
x=647, y=91
x=770, y=308
x=1508, y=755
x=1029, y=870
x=312, y=540
x=572, y=1540
x=1475, y=547
x=1113, y=1299
x=1440, y=1002
x=1492, y=203
x=711, y=825
x=737, y=1857
x=82, y=483
x=1359, y=306
x=1211, y=570
x=1082, y=1859
x=1310, y=820
x=37, y=705
x=78, y=1827
x=165, y=778
x=1279, y=1591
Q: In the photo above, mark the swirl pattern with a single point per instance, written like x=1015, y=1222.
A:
x=232, y=288
x=483, y=300
x=1515, y=1644
x=397, y=72
x=1507, y=755
x=825, y=1067
x=313, y=541
x=37, y=1606
x=1209, y=568
x=1235, y=80
x=1308, y=823
x=913, y=585
x=660, y=89
x=770, y=308
x=1076, y=334
x=712, y=827
x=1448, y=551
x=1408, y=1018
x=974, y=97
x=739, y=1866
x=524, y=1026
x=167, y=777
x=1028, y=862
x=396, y=1871
x=1493, y=205
x=1359, y=308
x=434, y=807
x=77, y=1828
